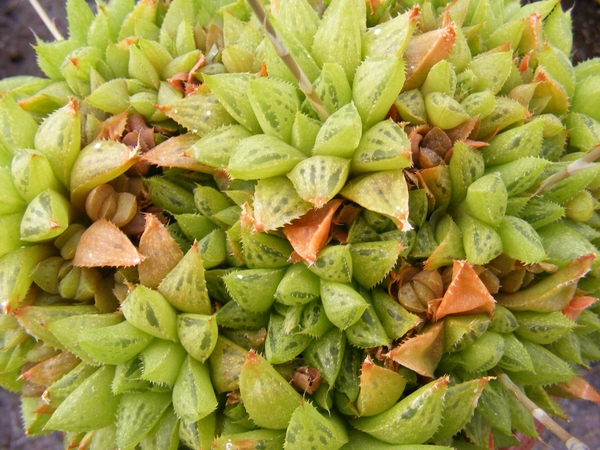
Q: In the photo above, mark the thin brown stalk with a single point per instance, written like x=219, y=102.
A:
x=576, y=166
x=303, y=82
x=47, y=21
x=570, y=441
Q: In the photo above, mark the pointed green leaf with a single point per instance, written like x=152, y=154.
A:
x=138, y=413
x=193, y=394
x=90, y=406
x=267, y=396
x=384, y=192
x=376, y=86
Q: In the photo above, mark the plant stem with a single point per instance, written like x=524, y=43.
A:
x=303, y=82
x=576, y=166
x=571, y=442
x=47, y=21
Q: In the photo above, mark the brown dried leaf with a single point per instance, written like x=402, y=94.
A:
x=171, y=153
x=429, y=158
x=415, y=141
x=214, y=37
x=178, y=81
x=48, y=371
x=577, y=387
x=513, y=281
x=114, y=127
x=490, y=280
x=577, y=305
x=462, y=131
x=438, y=140
x=103, y=244
x=131, y=139
x=423, y=352
x=549, y=87
x=347, y=214
x=424, y=51
x=309, y=234
x=160, y=251
x=466, y=294
x=137, y=122
x=146, y=139
x=135, y=227
x=476, y=144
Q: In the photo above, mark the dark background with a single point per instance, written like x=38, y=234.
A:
x=19, y=24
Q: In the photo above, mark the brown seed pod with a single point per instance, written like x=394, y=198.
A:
x=306, y=379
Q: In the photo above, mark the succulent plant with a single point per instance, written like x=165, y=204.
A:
x=313, y=224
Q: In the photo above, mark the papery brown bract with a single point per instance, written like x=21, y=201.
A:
x=577, y=305
x=424, y=51
x=50, y=370
x=422, y=352
x=103, y=244
x=160, y=253
x=576, y=387
x=465, y=295
x=173, y=153
x=309, y=234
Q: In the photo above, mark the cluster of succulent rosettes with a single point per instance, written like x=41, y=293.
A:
x=207, y=249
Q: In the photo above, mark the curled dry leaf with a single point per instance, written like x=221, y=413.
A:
x=172, y=153
x=309, y=234
x=114, y=127
x=577, y=305
x=466, y=294
x=424, y=51
x=423, y=352
x=103, y=244
x=577, y=387
x=161, y=252
x=52, y=369
x=462, y=132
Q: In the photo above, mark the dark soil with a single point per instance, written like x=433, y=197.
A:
x=19, y=26
x=586, y=28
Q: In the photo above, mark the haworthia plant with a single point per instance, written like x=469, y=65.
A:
x=317, y=224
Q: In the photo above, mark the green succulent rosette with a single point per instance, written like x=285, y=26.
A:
x=305, y=224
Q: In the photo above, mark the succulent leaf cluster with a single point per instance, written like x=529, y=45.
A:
x=359, y=224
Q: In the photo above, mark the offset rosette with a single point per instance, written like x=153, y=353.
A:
x=334, y=225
